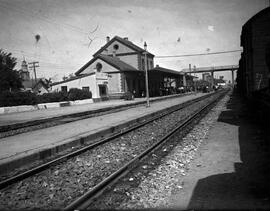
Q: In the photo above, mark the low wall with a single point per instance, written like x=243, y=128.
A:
x=23, y=108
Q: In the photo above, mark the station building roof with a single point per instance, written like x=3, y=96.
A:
x=117, y=63
x=166, y=70
x=113, y=61
x=124, y=42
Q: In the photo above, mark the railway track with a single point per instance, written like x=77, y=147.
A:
x=18, y=128
x=85, y=200
x=99, y=185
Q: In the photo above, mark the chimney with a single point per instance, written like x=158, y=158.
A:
x=108, y=39
x=126, y=38
x=189, y=67
x=157, y=65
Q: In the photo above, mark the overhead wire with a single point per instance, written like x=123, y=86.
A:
x=198, y=54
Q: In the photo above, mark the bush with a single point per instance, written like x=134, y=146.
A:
x=8, y=98
x=78, y=94
x=53, y=97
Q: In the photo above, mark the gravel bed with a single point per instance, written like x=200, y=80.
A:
x=58, y=186
x=150, y=185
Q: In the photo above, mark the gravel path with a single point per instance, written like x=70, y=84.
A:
x=58, y=186
x=151, y=185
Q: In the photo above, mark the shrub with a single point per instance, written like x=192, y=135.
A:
x=53, y=97
x=8, y=98
x=78, y=94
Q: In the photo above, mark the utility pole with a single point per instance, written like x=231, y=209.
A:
x=34, y=65
x=146, y=76
x=195, y=78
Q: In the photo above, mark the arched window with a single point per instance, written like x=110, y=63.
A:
x=98, y=67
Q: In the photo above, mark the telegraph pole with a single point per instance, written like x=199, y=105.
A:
x=34, y=65
x=146, y=75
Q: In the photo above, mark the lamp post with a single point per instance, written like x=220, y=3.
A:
x=146, y=75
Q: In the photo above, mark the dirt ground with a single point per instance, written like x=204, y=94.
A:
x=231, y=169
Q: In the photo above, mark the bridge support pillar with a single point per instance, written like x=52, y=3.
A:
x=184, y=80
x=212, y=80
x=233, y=78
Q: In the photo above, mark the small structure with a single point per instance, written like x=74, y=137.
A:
x=95, y=82
x=41, y=87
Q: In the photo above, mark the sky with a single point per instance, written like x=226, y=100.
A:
x=62, y=35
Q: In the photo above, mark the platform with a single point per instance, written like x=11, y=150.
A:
x=27, y=147
x=35, y=115
x=233, y=171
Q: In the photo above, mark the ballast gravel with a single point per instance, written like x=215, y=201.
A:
x=142, y=189
x=58, y=186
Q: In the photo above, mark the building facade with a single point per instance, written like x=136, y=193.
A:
x=116, y=68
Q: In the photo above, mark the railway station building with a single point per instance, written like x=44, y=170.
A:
x=119, y=67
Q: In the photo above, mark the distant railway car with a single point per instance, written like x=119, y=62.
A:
x=254, y=65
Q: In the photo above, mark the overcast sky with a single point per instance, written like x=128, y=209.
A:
x=170, y=27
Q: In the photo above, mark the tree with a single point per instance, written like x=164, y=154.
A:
x=9, y=78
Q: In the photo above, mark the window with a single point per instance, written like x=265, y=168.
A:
x=86, y=88
x=63, y=88
x=143, y=64
x=98, y=67
x=116, y=47
x=151, y=64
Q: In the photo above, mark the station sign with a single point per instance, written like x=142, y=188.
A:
x=101, y=78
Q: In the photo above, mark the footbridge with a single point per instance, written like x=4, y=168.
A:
x=212, y=69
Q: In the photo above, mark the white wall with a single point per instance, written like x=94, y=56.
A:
x=114, y=85
x=105, y=67
x=89, y=81
x=122, y=48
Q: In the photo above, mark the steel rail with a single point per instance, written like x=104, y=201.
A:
x=35, y=170
x=83, y=202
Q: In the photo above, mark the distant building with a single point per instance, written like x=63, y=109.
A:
x=207, y=77
x=41, y=87
x=29, y=84
x=25, y=76
x=23, y=72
